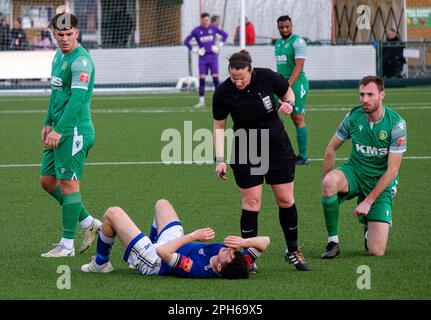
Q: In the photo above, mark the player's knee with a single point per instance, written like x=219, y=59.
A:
x=375, y=250
x=112, y=212
x=299, y=123
x=160, y=204
x=47, y=183
x=44, y=184
x=251, y=203
x=285, y=202
x=329, y=184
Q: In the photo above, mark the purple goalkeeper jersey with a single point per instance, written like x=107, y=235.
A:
x=205, y=37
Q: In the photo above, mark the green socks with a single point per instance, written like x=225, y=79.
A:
x=70, y=213
x=302, y=139
x=59, y=197
x=331, y=211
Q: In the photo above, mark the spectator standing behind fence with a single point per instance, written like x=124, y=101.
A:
x=42, y=41
x=120, y=26
x=216, y=20
x=250, y=34
x=18, y=37
x=5, y=33
x=393, y=55
x=2, y=31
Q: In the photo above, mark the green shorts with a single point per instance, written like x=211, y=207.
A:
x=300, y=88
x=66, y=162
x=381, y=209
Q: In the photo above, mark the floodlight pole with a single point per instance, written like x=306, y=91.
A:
x=242, y=24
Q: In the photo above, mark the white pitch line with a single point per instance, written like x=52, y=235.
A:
x=311, y=108
x=175, y=95
x=126, y=163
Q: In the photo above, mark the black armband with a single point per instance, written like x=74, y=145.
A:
x=218, y=160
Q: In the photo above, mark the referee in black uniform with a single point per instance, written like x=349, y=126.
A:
x=248, y=96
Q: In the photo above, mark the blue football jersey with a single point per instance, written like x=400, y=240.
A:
x=193, y=261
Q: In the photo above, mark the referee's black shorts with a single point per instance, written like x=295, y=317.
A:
x=279, y=175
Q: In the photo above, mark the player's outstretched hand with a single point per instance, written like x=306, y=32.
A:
x=285, y=107
x=221, y=171
x=362, y=209
x=215, y=49
x=203, y=235
x=234, y=242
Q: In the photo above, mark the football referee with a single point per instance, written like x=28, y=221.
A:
x=248, y=97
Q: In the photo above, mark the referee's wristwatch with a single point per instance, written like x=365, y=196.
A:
x=219, y=160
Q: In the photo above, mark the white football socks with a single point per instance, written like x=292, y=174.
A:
x=333, y=239
x=86, y=223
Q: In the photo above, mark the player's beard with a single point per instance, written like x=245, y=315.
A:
x=285, y=37
x=371, y=107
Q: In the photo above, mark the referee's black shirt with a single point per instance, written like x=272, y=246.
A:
x=253, y=107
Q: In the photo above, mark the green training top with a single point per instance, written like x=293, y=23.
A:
x=72, y=82
x=372, y=142
x=286, y=51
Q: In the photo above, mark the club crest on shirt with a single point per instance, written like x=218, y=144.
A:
x=383, y=135
x=64, y=66
x=267, y=103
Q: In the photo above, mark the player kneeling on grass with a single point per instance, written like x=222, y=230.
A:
x=379, y=137
x=167, y=251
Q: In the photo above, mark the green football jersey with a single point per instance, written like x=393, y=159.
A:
x=372, y=142
x=72, y=82
x=286, y=51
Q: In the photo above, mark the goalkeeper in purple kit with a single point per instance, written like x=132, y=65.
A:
x=207, y=49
